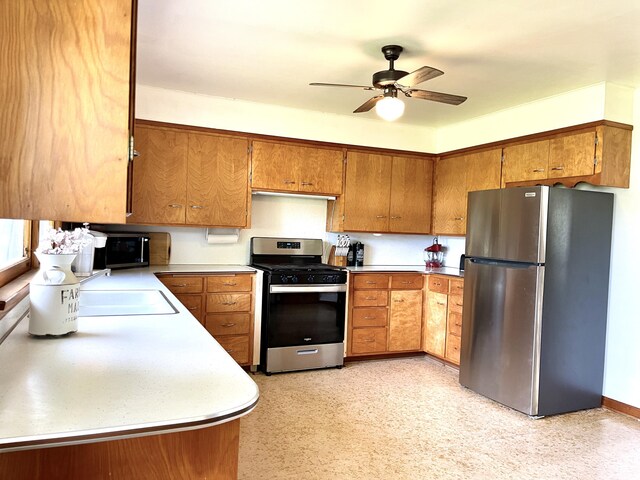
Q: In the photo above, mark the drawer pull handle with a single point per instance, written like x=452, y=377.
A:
x=180, y=285
x=306, y=184
x=538, y=170
x=381, y=216
x=370, y=298
x=395, y=217
x=458, y=304
x=369, y=282
x=227, y=325
x=399, y=301
x=231, y=350
x=458, y=324
x=437, y=284
x=229, y=303
x=197, y=207
x=407, y=283
x=229, y=284
x=369, y=318
x=192, y=308
x=288, y=182
x=440, y=303
x=174, y=205
x=369, y=340
x=557, y=168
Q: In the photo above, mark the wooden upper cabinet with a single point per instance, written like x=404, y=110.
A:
x=367, y=191
x=296, y=168
x=187, y=177
x=597, y=153
x=527, y=161
x=217, y=181
x=572, y=155
x=159, y=176
x=64, y=146
x=449, y=207
x=455, y=177
x=410, y=203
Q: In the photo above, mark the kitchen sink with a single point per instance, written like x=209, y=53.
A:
x=97, y=303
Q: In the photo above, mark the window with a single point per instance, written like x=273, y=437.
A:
x=15, y=252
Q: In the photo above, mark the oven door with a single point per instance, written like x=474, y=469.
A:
x=305, y=315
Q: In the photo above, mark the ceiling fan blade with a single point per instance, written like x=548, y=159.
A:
x=364, y=87
x=420, y=75
x=369, y=104
x=436, y=96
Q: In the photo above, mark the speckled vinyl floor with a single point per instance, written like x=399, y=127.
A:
x=410, y=419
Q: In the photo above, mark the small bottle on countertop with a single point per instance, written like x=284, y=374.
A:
x=351, y=256
x=359, y=254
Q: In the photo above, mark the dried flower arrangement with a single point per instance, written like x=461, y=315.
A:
x=62, y=242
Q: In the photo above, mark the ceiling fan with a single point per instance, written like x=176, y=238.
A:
x=392, y=81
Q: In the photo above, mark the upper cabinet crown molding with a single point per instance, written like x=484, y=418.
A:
x=65, y=109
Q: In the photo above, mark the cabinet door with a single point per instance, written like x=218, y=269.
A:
x=450, y=196
x=159, y=176
x=319, y=170
x=367, y=189
x=217, y=182
x=410, y=202
x=572, y=155
x=435, y=330
x=528, y=161
x=273, y=167
x=65, y=104
x=405, y=320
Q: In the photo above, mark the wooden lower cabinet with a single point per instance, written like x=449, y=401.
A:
x=224, y=304
x=385, y=314
x=443, y=317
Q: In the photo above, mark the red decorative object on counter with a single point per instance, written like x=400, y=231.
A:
x=434, y=255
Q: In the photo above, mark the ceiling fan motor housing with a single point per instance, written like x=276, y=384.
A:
x=387, y=77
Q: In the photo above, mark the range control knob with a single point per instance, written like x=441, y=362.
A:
x=310, y=279
x=283, y=278
x=294, y=279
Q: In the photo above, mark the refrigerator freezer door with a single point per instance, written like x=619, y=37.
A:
x=508, y=224
x=500, y=354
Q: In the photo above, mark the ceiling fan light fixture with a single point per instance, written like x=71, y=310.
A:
x=390, y=108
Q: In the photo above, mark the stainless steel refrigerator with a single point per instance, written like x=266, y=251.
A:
x=535, y=297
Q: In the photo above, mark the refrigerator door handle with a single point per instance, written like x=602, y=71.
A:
x=503, y=263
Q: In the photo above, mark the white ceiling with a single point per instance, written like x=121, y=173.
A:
x=499, y=53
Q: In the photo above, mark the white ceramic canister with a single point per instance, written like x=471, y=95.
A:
x=54, y=296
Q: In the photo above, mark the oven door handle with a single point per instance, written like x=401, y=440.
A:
x=307, y=288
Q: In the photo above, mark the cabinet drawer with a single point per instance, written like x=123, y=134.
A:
x=228, y=324
x=370, y=298
x=369, y=340
x=228, y=302
x=455, y=304
x=406, y=282
x=237, y=346
x=229, y=283
x=193, y=303
x=183, y=284
x=456, y=286
x=369, y=317
x=364, y=281
x=438, y=284
x=453, y=349
x=455, y=324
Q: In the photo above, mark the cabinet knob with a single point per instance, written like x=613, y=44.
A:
x=458, y=218
x=174, y=205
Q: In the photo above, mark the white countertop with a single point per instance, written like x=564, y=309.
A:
x=119, y=376
x=406, y=268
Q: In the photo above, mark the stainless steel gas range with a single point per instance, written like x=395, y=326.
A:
x=303, y=305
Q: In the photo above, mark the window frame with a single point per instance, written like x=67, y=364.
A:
x=13, y=271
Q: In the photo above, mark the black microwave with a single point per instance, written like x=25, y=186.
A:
x=123, y=250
